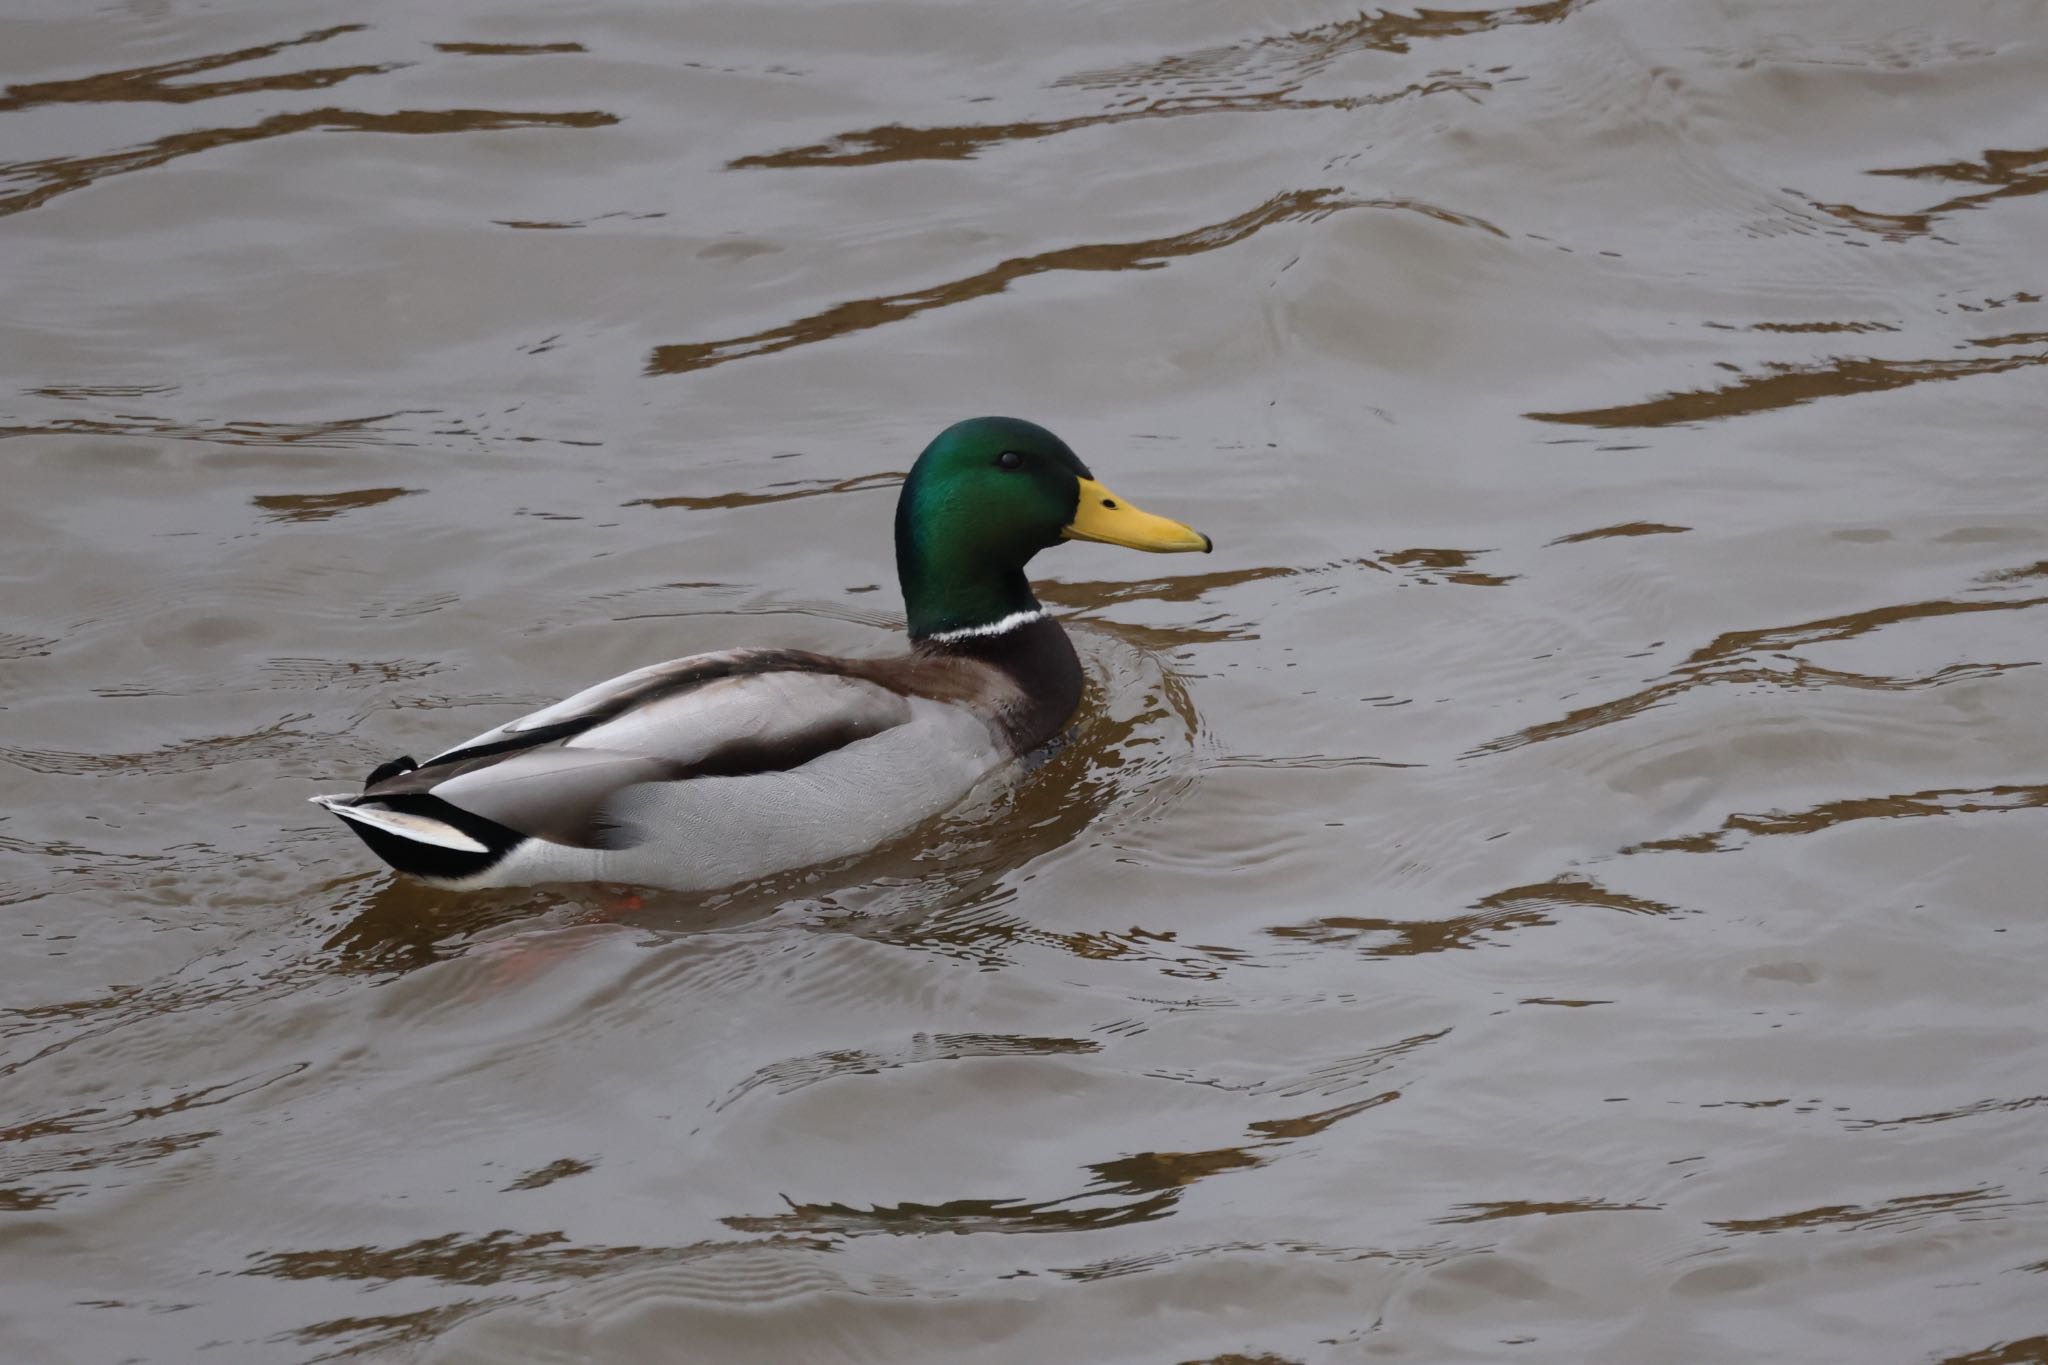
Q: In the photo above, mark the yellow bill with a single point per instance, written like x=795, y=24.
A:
x=1106, y=517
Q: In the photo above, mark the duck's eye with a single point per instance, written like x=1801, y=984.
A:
x=1010, y=459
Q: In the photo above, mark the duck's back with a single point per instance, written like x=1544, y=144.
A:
x=713, y=831
x=698, y=773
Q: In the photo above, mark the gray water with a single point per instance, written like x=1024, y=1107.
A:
x=1560, y=884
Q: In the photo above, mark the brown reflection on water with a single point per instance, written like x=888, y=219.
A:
x=381, y=1332
x=151, y=83
x=1327, y=1079
x=482, y=1259
x=1096, y=595
x=1790, y=676
x=26, y=647
x=78, y=393
x=561, y=1168
x=507, y=49
x=1376, y=937
x=278, y=738
x=2011, y=339
x=324, y=506
x=1102, y=1209
x=1627, y=528
x=971, y=922
x=1420, y=567
x=1738, y=830
x=780, y=492
x=1833, y=629
x=337, y=434
x=1811, y=328
x=403, y=925
x=1785, y=385
x=2029, y=1351
x=2008, y=172
x=1518, y=907
x=53, y=176
x=796, y=1073
x=1583, y=891
x=1445, y=566
x=100, y=1119
x=2005, y=174
x=1909, y=1210
x=1307, y=52
x=1535, y=1208
x=959, y=142
x=863, y=314
x=1140, y=1188
x=475, y=1260
x=1759, y=656
x=43, y=1152
x=1212, y=81
x=1964, y=1111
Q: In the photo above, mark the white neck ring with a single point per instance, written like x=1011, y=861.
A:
x=1002, y=627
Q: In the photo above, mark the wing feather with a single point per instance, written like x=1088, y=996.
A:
x=559, y=774
x=616, y=697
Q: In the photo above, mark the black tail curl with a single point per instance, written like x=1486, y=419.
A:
x=402, y=764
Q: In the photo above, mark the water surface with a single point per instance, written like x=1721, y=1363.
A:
x=1561, y=883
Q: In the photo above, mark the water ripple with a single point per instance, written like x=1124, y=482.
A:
x=1737, y=830
x=861, y=315
x=960, y=142
x=1139, y=1188
x=795, y=1073
x=53, y=176
x=1786, y=385
x=151, y=83
x=1759, y=656
x=1307, y=52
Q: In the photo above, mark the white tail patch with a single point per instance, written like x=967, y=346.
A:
x=420, y=829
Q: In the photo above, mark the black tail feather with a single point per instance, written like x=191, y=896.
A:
x=403, y=764
x=431, y=862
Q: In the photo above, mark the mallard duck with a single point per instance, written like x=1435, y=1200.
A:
x=720, y=768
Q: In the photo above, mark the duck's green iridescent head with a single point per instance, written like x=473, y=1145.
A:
x=987, y=495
